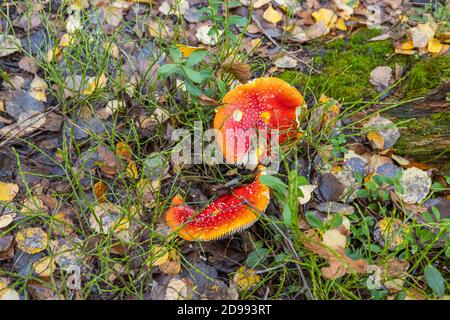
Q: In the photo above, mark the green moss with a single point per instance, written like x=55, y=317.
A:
x=426, y=139
x=346, y=65
x=426, y=75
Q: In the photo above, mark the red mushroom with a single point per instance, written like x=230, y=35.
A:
x=227, y=214
x=265, y=103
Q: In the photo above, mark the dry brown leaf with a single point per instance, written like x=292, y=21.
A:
x=332, y=249
x=108, y=162
x=100, y=191
x=27, y=64
x=241, y=71
x=124, y=152
x=173, y=265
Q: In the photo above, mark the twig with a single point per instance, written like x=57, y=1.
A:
x=292, y=249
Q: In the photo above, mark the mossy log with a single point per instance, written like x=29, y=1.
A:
x=426, y=137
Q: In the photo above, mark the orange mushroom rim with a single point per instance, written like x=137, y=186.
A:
x=263, y=104
x=229, y=213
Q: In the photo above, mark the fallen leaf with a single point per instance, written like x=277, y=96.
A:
x=326, y=17
x=27, y=64
x=307, y=191
x=106, y=217
x=178, y=289
x=416, y=184
x=332, y=249
x=377, y=139
x=9, y=294
x=132, y=171
x=8, y=45
x=8, y=191
x=385, y=128
x=123, y=151
x=159, y=256
x=32, y=240
x=100, y=191
x=44, y=267
x=108, y=162
x=340, y=25
x=381, y=77
x=95, y=83
x=241, y=71
x=390, y=232
x=204, y=37
x=246, y=278
x=434, y=46
x=271, y=15
x=394, y=274
x=173, y=265
x=260, y=3
x=186, y=51
x=6, y=220
x=62, y=224
x=37, y=89
x=285, y=62
x=422, y=34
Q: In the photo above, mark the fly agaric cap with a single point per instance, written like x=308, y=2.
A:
x=229, y=213
x=265, y=103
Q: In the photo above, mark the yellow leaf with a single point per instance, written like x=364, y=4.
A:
x=37, y=89
x=44, y=267
x=132, y=171
x=53, y=54
x=434, y=46
x=271, y=15
x=32, y=240
x=246, y=278
x=8, y=191
x=325, y=16
x=100, y=191
x=123, y=150
x=95, y=83
x=255, y=43
x=160, y=255
x=173, y=265
x=340, y=24
x=66, y=40
x=377, y=139
x=186, y=50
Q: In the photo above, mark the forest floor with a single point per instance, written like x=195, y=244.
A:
x=93, y=92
